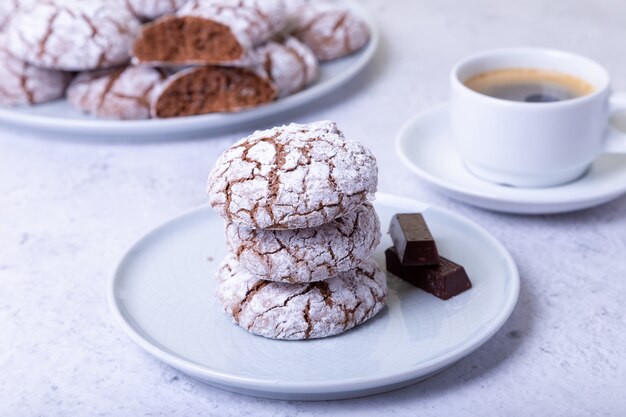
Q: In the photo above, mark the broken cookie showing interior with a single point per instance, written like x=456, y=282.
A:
x=301, y=311
x=22, y=83
x=122, y=93
x=291, y=177
x=210, y=89
x=330, y=30
x=210, y=32
x=73, y=35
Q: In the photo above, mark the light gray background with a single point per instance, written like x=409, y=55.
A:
x=68, y=210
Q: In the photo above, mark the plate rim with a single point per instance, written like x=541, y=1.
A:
x=322, y=387
x=136, y=129
x=544, y=201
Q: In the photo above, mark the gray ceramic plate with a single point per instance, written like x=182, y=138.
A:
x=162, y=293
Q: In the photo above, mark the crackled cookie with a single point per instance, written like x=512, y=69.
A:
x=200, y=90
x=152, y=9
x=292, y=176
x=310, y=254
x=210, y=32
x=330, y=30
x=290, y=65
x=301, y=311
x=73, y=35
x=121, y=93
x=21, y=83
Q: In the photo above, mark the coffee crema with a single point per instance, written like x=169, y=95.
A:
x=529, y=85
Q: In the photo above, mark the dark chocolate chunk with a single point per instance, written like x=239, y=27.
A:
x=444, y=280
x=413, y=240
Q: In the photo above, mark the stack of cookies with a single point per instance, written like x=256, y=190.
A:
x=137, y=59
x=300, y=231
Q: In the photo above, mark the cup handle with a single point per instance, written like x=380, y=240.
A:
x=616, y=138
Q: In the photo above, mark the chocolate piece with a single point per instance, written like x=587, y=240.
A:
x=444, y=280
x=413, y=240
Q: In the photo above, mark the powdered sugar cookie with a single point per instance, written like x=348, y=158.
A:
x=290, y=65
x=330, y=30
x=211, y=32
x=152, y=9
x=292, y=176
x=301, y=311
x=310, y=254
x=209, y=89
x=73, y=35
x=122, y=93
x=21, y=83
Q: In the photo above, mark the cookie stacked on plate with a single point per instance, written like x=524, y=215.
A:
x=300, y=231
x=138, y=59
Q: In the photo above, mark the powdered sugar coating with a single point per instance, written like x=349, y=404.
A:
x=292, y=176
x=294, y=6
x=330, y=30
x=73, y=35
x=7, y=7
x=123, y=93
x=152, y=9
x=301, y=311
x=252, y=22
x=310, y=254
x=290, y=65
x=21, y=83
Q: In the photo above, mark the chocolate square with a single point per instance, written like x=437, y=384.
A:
x=444, y=280
x=412, y=238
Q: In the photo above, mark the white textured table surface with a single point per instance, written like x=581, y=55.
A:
x=68, y=210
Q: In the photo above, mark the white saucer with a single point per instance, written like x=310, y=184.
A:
x=60, y=119
x=424, y=146
x=162, y=293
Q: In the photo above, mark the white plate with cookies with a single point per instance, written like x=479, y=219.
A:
x=59, y=118
x=162, y=294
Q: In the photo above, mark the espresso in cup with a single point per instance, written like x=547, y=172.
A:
x=515, y=141
x=529, y=85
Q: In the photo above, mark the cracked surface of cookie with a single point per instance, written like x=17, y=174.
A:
x=152, y=9
x=330, y=30
x=291, y=177
x=301, y=311
x=73, y=35
x=211, y=32
x=7, y=8
x=290, y=65
x=210, y=89
x=121, y=93
x=310, y=254
x=22, y=83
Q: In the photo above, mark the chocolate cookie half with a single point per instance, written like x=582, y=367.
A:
x=210, y=89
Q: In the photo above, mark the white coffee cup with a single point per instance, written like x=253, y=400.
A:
x=532, y=144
